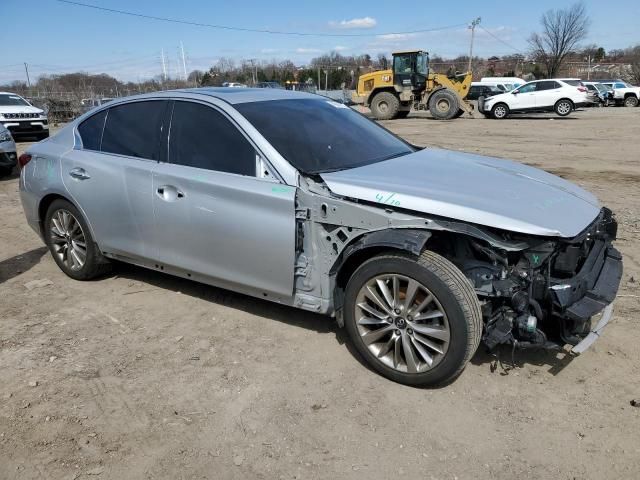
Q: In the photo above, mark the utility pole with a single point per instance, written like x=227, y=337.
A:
x=319, y=86
x=326, y=78
x=184, y=63
x=472, y=27
x=588, y=59
x=26, y=69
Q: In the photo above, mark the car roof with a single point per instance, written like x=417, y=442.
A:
x=10, y=93
x=233, y=95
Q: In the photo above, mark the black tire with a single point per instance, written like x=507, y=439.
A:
x=385, y=106
x=563, y=107
x=5, y=171
x=454, y=295
x=500, y=111
x=631, y=101
x=95, y=264
x=403, y=114
x=443, y=104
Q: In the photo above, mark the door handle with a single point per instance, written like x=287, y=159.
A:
x=169, y=193
x=79, y=173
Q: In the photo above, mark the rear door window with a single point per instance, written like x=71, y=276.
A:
x=91, y=131
x=546, y=85
x=203, y=137
x=135, y=129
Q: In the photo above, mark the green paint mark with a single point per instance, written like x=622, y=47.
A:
x=281, y=189
x=388, y=200
x=535, y=258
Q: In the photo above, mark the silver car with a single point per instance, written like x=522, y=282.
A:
x=420, y=254
x=8, y=157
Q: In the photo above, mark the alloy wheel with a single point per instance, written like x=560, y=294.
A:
x=564, y=108
x=402, y=323
x=68, y=239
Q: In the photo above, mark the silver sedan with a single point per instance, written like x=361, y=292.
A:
x=420, y=254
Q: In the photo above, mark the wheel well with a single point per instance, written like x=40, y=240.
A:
x=568, y=100
x=45, y=203
x=630, y=94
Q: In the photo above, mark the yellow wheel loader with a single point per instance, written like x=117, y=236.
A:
x=410, y=85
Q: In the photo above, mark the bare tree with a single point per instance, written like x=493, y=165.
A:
x=563, y=29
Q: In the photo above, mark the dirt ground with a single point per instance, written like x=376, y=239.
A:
x=140, y=375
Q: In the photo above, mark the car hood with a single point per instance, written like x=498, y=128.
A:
x=472, y=188
x=20, y=109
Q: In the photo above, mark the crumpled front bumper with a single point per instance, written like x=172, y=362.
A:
x=591, y=291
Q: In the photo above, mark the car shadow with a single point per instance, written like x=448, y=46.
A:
x=499, y=362
x=18, y=264
x=504, y=359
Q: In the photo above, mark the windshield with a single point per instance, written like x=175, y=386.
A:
x=600, y=87
x=573, y=83
x=318, y=136
x=12, y=101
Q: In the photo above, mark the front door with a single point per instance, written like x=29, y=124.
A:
x=523, y=98
x=214, y=215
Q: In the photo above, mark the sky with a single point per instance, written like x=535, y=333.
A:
x=53, y=37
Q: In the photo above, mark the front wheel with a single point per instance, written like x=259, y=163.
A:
x=563, y=107
x=631, y=101
x=415, y=321
x=500, y=111
x=385, y=106
x=443, y=105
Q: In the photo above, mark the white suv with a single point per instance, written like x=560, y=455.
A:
x=624, y=94
x=555, y=95
x=22, y=118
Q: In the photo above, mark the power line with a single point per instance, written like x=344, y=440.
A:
x=253, y=30
x=500, y=40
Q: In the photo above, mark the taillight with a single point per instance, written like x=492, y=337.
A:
x=23, y=160
x=582, y=89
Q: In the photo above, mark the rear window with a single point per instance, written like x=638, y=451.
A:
x=133, y=129
x=318, y=136
x=91, y=131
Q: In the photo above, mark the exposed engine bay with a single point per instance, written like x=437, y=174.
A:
x=544, y=295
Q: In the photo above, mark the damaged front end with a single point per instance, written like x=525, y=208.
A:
x=544, y=294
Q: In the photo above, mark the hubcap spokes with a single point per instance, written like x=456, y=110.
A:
x=402, y=323
x=68, y=240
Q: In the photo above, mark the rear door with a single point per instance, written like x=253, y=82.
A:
x=548, y=92
x=109, y=175
x=215, y=215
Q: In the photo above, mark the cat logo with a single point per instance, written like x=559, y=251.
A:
x=386, y=78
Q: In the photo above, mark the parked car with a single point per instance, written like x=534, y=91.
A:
x=600, y=92
x=91, y=103
x=22, y=118
x=555, y=95
x=420, y=253
x=506, y=84
x=268, y=85
x=623, y=93
x=480, y=90
x=234, y=85
x=8, y=155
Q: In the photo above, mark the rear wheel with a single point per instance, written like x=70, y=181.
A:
x=385, y=106
x=631, y=101
x=444, y=105
x=563, y=107
x=500, y=111
x=69, y=240
x=416, y=322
